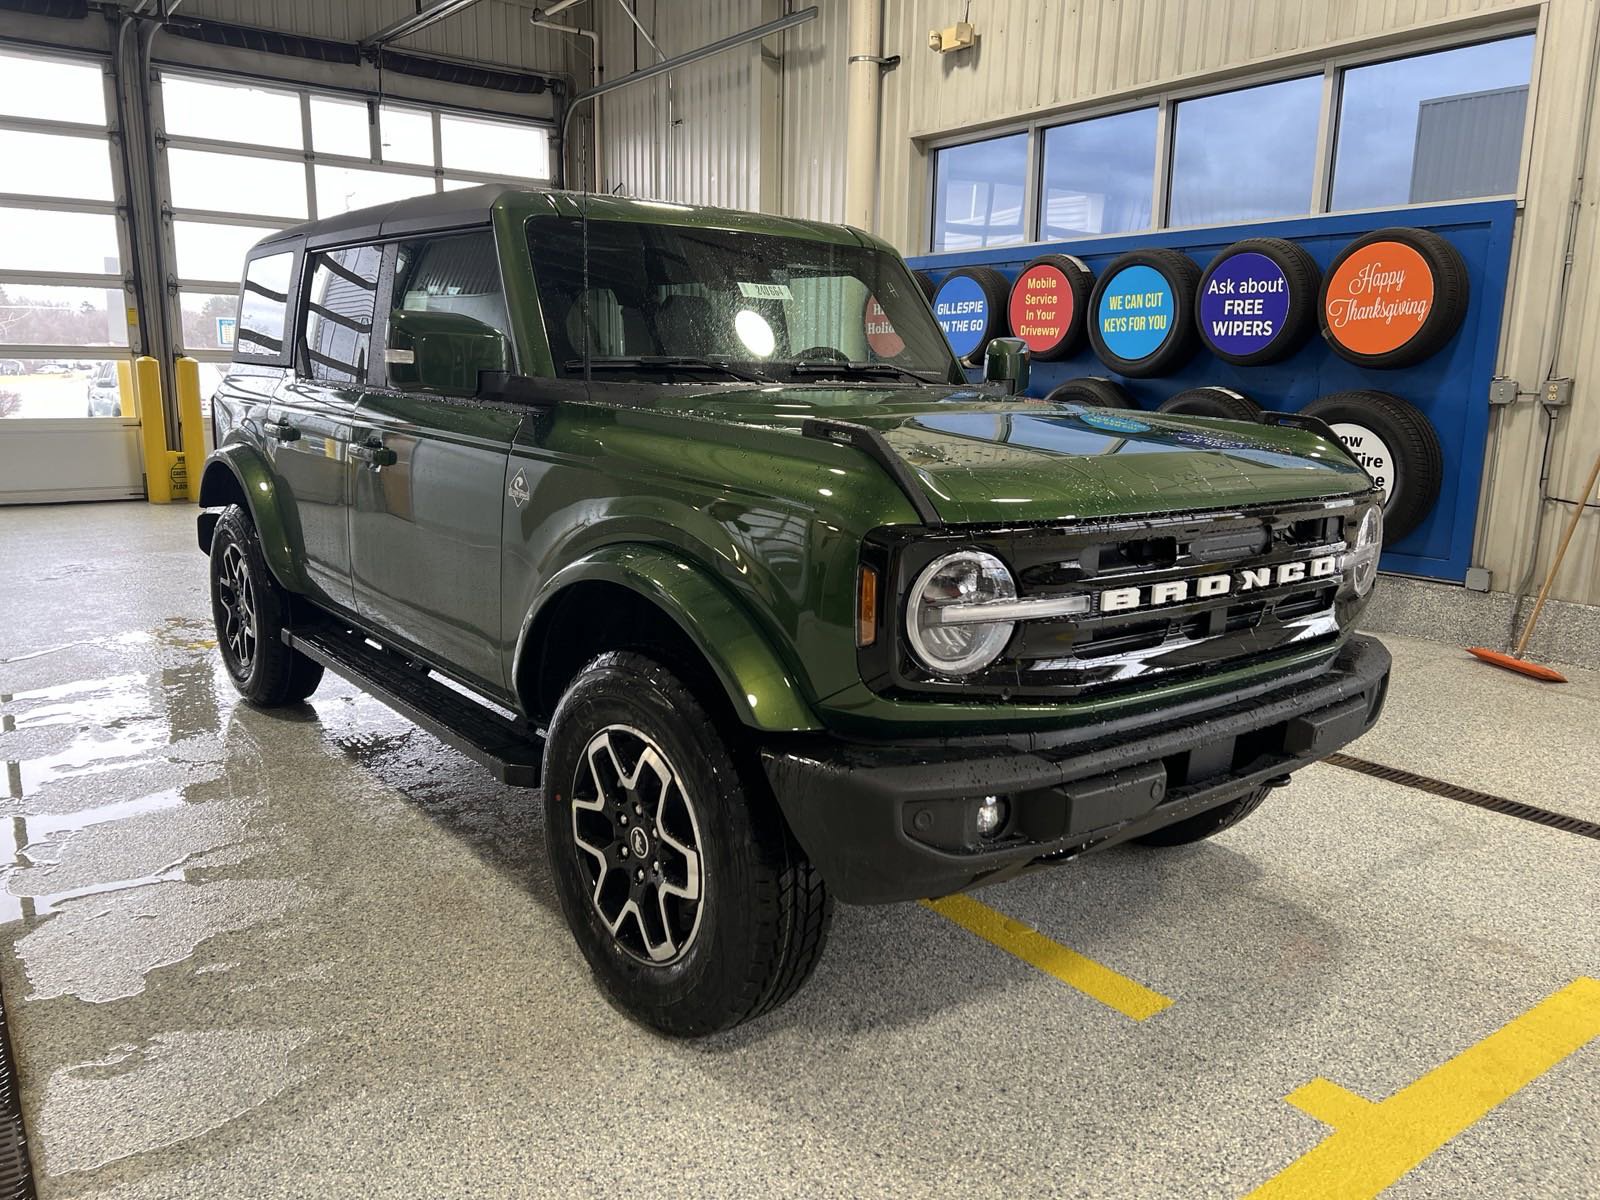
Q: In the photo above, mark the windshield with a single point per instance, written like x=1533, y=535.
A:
x=679, y=303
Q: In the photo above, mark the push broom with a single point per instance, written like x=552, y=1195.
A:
x=1515, y=661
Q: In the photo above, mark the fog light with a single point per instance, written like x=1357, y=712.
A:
x=991, y=815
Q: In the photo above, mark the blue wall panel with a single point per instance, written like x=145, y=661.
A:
x=1451, y=388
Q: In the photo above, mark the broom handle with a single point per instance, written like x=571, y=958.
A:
x=1561, y=552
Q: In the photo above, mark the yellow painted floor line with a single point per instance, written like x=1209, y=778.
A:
x=1032, y=947
x=1374, y=1143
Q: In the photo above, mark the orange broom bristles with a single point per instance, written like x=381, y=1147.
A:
x=1521, y=665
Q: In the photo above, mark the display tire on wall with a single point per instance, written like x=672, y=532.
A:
x=1399, y=447
x=250, y=611
x=1066, y=278
x=1275, y=261
x=1212, y=402
x=1092, y=390
x=728, y=917
x=995, y=289
x=1143, y=352
x=926, y=282
x=1208, y=823
x=1434, y=281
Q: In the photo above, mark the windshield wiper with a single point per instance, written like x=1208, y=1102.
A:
x=867, y=369
x=666, y=362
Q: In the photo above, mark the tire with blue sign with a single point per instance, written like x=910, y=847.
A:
x=1257, y=301
x=970, y=307
x=1396, y=445
x=1141, y=314
x=1093, y=390
x=1213, y=402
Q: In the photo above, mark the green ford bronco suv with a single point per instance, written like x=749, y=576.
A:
x=692, y=516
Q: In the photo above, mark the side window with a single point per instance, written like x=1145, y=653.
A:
x=458, y=273
x=264, y=307
x=339, y=311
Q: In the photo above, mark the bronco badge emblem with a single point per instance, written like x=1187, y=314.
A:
x=518, y=491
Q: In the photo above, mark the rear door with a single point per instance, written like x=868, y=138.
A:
x=311, y=416
x=428, y=493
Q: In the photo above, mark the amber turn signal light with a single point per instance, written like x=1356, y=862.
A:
x=866, y=606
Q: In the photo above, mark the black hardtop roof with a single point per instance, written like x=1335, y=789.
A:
x=467, y=207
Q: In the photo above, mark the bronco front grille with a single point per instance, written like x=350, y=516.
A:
x=1118, y=643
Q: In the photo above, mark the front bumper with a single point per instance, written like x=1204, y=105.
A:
x=888, y=821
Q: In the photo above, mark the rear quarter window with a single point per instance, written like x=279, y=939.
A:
x=264, y=307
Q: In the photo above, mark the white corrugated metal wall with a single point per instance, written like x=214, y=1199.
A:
x=1035, y=57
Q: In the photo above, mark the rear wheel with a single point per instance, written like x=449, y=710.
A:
x=250, y=611
x=1206, y=824
x=684, y=889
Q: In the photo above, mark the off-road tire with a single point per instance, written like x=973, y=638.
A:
x=272, y=674
x=764, y=910
x=1206, y=824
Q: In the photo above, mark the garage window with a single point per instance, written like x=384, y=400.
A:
x=63, y=303
x=1432, y=127
x=1098, y=175
x=978, y=194
x=1246, y=155
x=1360, y=132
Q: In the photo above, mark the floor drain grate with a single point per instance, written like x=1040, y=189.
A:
x=16, y=1177
x=1453, y=791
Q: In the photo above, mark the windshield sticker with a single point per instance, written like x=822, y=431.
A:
x=1379, y=298
x=1042, y=308
x=1244, y=304
x=765, y=291
x=962, y=312
x=1136, y=311
x=881, y=337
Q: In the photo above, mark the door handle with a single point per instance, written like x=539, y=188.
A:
x=281, y=431
x=374, y=453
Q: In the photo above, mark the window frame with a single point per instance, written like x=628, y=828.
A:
x=1331, y=68
x=293, y=306
x=300, y=352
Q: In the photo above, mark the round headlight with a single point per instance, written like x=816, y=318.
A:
x=946, y=634
x=1369, y=545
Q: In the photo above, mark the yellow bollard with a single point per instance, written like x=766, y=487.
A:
x=192, y=426
x=152, y=430
x=127, y=402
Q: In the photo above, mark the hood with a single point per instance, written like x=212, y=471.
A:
x=983, y=459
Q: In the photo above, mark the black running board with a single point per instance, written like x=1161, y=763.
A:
x=511, y=750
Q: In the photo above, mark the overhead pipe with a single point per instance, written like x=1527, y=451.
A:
x=864, y=80
x=667, y=65
x=540, y=21
x=415, y=23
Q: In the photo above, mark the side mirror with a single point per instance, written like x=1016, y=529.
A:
x=1006, y=360
x=442, y=352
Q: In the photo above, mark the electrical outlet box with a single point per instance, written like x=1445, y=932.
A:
x=960, y=36
x=1503, y=391
x=1478, y=579
x=1556, y=393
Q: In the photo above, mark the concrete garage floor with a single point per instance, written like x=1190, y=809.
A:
x=317, y=953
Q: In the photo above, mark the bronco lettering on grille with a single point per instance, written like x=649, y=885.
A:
x=1176, y=591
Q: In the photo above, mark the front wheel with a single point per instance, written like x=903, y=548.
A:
x=1208, y=823
x=251, y=611
x=683, y=887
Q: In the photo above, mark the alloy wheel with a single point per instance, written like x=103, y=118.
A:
x=638, y=844
x=237, y=595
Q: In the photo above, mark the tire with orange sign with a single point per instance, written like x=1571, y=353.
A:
x=1049, y=301
x=1393, y=297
